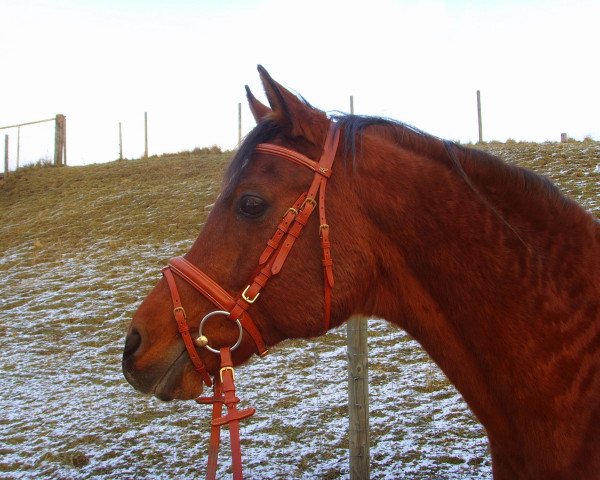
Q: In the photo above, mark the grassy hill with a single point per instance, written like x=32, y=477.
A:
x=51, y=211
x=54, y=211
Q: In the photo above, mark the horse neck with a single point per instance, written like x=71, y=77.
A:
x=478, y=286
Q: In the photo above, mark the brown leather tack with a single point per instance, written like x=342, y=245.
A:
x=270, y=263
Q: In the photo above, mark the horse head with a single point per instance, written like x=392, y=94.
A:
x=237, y=252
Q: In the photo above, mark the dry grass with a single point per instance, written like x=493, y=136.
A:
x=57, y=210
x=573, y=166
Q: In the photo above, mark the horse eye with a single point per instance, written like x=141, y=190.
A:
x=252, y=206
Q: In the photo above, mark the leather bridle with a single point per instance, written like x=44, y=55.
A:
x=235, y=309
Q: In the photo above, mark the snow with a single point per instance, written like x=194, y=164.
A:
x=67, y=411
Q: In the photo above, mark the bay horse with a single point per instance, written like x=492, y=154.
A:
x=492, y=270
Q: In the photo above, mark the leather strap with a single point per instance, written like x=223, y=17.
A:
x=184, y=329
x=224, y=393
x=294, y=220
x=331, y=145
x=287, y=154
x=217, y=401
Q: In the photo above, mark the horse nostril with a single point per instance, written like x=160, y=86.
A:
x=132, y=343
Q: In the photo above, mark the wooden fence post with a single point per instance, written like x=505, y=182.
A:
x=64, y=140
x=479, y=116
x=358, y=391
x=120, y=142
x=18, y=145
x=358, y=397
x=145, y=134
x=6, y=156
x=60, y=138
x=60, y=141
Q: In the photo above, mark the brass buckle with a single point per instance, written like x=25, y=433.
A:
x=245, y=297
x=321, y=228
x=293, y=210
x=309, y=200
x=179, y=309
x=224, y=369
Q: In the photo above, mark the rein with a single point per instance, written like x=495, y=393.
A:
x=236, y=309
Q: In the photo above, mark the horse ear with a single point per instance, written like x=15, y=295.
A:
x=259, y=111
x=297, y=117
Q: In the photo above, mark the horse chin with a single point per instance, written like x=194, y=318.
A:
x=167, y=393
x=178, y=384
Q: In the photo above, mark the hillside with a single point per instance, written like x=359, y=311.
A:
x=166, y=198
x=54, y=211
x=79, y=249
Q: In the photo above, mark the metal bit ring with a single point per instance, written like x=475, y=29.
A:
x=220, y=312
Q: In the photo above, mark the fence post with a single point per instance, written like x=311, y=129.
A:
x=145, y=134
x=18, y=145
x=120, y=142
x=479, y=116
x=60, y=138
x=60, y=141
x=358, y=397
x=6, y=156
x=64, y=140
x=358, y=391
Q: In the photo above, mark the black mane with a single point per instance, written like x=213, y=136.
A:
x=400, y=133
x=466, y=162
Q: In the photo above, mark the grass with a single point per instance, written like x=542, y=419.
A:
x=573, y=166
x=52, y=211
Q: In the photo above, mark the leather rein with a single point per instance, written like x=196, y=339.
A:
x=236, y=309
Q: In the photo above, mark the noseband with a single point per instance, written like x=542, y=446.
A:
x=235, y=309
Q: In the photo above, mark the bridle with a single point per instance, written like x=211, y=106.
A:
x=235, y=309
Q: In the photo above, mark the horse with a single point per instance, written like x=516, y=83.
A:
x=487, y=265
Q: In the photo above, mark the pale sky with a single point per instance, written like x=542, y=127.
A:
x=186, y=63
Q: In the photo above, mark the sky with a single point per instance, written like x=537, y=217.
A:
x=186, y=62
